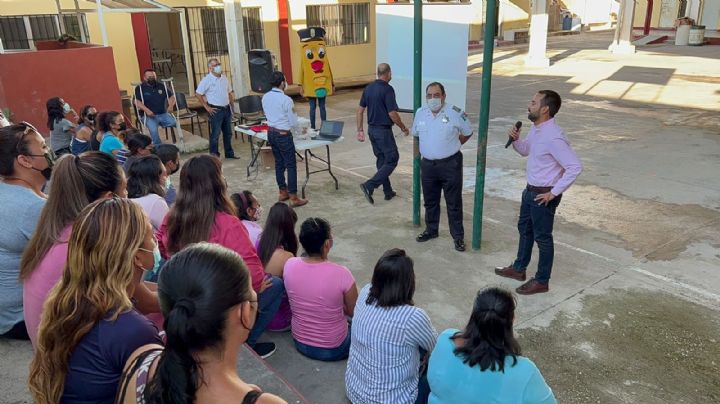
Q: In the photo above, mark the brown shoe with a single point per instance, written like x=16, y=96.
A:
x=510, y=272
x=283, y=195
x=296, y=201
x=531, y=287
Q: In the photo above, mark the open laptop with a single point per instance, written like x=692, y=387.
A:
x=331, y=130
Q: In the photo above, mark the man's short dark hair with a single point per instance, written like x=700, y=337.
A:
x=167, y=152
x=435, y=83
x=148, y=70
x=277, y=78
x=313, y=233
x=552, y=100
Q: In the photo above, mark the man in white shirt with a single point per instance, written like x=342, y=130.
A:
x=281, y=117
x=216, y=96
x=442, y=129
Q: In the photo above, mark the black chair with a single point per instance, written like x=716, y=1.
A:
x=185, y=113
x=250, y=110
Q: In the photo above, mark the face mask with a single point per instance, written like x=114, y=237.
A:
x=123, y=126
x=217, y=69
x=90, y=118
x=151, y=81
x=168, y=184
x=46, y=172
x=434, y=104
x=66, y=107
x=258, y=213
x=157, y=258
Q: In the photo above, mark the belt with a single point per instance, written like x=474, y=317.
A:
x=538, y=190
x=218, y=106
x=279, y=131
x=380, y=126
x=443, y=159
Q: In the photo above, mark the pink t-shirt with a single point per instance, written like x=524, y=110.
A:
x=316, y=292
x=254, y=231
x=155, y=208
x=37, y=287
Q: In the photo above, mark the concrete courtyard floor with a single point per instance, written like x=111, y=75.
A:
x=633, y=311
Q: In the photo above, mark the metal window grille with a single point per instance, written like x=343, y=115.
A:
x=13, y=33
x=44, y=27
x=345, y=24
x=21, y=32
x=253, y=28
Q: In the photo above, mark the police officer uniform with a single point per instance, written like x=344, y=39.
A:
x=442, y=167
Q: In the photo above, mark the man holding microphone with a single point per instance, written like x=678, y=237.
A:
x=552, y=167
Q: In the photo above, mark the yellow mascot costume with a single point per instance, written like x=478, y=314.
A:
x=316, y=76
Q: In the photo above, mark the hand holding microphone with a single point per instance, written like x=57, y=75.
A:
x=513, y=133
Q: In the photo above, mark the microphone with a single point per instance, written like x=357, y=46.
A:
x=518, y=125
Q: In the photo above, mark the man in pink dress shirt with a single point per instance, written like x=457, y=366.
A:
x=552, y=167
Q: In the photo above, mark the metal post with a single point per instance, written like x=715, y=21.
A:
x=417, y=102
x=101, y=20
x=648, y=17
x=488, y=45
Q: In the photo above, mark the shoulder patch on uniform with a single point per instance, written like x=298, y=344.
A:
x=457, y=109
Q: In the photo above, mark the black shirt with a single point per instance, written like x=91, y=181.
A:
x=153, y=97
x=379, y=99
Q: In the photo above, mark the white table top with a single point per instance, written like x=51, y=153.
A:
x=300, y=144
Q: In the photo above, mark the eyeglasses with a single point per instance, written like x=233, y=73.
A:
x=29, y=128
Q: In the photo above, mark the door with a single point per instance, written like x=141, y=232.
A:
x=668, y=13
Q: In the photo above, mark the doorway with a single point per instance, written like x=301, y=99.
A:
x=168, y=49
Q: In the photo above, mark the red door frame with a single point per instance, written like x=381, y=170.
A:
x=284, y=33
x=142, y=41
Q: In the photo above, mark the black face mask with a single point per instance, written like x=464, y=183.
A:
x=123, y=126
x=50, y=160
x=151, y=81
x=90, y=118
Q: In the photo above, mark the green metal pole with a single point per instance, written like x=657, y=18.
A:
x=417, y=102
x=489, y=43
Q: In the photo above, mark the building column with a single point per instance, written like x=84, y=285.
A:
x=538, y=34
x=693, y=10
x=622, y=43
x=142, y=42
x=236, y=48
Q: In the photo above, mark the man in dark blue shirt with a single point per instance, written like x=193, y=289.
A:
x=382, y=110
x=150, y=99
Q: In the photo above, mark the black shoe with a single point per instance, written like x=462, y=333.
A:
x=425, y=236
x=368, y=194
x=459, y=245
x=264, y=349
x=232, y=158
x=391, y=195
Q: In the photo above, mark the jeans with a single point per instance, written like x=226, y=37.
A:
x=444, y=176
x=283, y=149
x=325, y=354
x=221, y=120
x=323, y=113
x=165, y=120
x=386, y=157
x=268, y=303
x=535, y=225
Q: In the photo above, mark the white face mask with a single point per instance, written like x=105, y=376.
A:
x=66, y=107
x=434, y=104
x=217, y=69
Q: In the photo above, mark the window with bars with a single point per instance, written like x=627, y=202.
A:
x=253, y=27
x=345, y=24
x=21, y=32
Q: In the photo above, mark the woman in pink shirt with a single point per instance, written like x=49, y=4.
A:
x=321, y=294
x=203, y=211
x=249, y=212
x=76, y=182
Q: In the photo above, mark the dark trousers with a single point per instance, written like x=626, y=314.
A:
x=221, y=120
x=323, y=114
x=283, y=149
x=268, y=304
x=386, y=157
x=18, y=331
x=444, y=176
x=535, y=225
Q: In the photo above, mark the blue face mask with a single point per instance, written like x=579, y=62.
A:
x=157, y=260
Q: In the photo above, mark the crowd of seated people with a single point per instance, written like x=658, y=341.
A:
x=129, y=297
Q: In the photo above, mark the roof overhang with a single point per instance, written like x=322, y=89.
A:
x=121, y=6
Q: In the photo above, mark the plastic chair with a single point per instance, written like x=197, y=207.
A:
x=250, y=110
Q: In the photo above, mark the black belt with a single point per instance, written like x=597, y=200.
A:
x=454, y=156
x=380, y=126
x=538, y=190
x=218, y=106
x=279, y=131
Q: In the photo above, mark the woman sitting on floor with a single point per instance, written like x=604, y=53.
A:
x=250, y=212
x=146, y=187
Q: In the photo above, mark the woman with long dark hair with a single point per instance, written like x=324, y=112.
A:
x=249, y=212
x=61, y=130
x=139, y=145
x=390, y=337
x=203, y=212
x=85, y=130
x=483, y=363
x=112, y=127
x=146, y=187
x=278, y=241
x=209, y=307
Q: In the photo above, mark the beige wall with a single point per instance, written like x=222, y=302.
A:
x=120, y=38
x=27, y=7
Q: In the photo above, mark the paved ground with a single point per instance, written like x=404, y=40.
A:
x=632, y=316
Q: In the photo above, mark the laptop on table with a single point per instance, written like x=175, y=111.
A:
x=330, y=130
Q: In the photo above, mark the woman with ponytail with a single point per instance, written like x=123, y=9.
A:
x=89, y=327
x=482, y=364
x=209, y=307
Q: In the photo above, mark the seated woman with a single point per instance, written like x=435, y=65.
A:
x=77, y=181
x=139, y=145
x=112, y=127
x=249, y=212
x=203, y=212
x=321, y=294
x=390, y=337
x=482, y=363
x=146, y=187
x=210, y=308
x=84, y=131
x=89, y=328
x=62, y=130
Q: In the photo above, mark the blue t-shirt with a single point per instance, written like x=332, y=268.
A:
x=379, y=99
x=452, y=381
x=97, y=362
x=110, y=143
x=154, y=97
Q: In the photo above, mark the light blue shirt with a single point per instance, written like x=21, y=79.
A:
x=384, y=361
x=452, y=381
x=279, y=110
x=439, y=133
x=215, y=89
